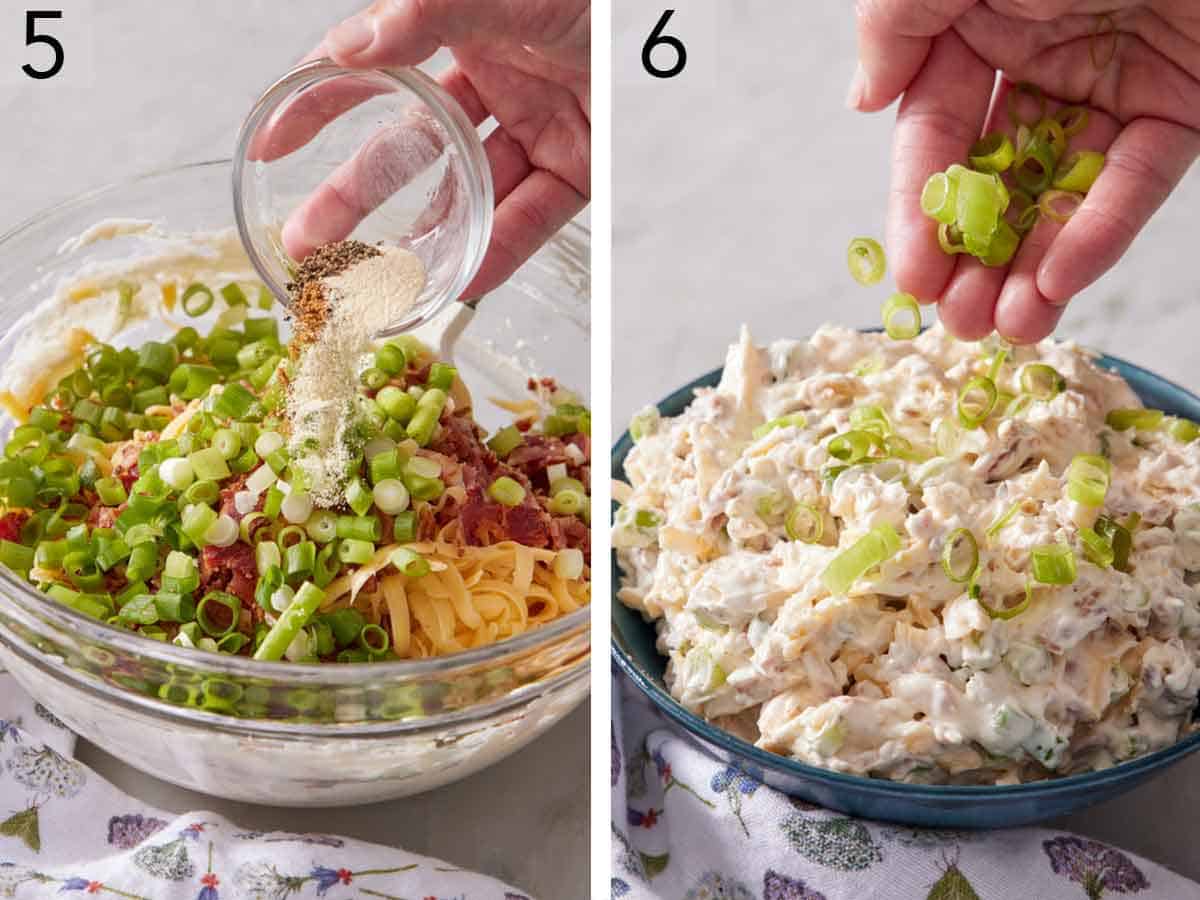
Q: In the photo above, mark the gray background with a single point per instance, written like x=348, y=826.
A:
x=169, y=83
x=736, y=188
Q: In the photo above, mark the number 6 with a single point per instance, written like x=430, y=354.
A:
x=656, y=39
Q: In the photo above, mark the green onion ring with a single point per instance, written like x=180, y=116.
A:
x=973, y=412
x=1183, y=430
x=1073, y=119
x=1059, y=205
x=1041, y=381
x=1079, y=171
x=197, y=307
x=1010, y=612
x=939, y=198
x=854, y=446
x=950, y=239
x=866, y=261
x=875, y=547
x=1088, y=478
x=1034, y=168
x=1097, y=548
x=1051, y=132
x=991, y=153
x=1141, y=419
x=805, y=524
x=959, y=568
x=899, y=305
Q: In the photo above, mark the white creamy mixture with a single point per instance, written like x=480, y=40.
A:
x=48, y=340
x=906, y=675
x=369, y=296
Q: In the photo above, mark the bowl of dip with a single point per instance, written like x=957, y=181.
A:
x=356, y=732
x=965, y=805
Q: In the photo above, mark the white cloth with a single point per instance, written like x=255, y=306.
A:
x=68, y=833
x=686, y=827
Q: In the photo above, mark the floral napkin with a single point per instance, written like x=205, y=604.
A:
x=686, y=827
x=65, y=833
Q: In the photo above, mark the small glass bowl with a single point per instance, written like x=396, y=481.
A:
x=395, y=159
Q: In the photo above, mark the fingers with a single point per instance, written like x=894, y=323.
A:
x=1023, y=312
x=940, y=117
x=1145, y=163
x=893, y=41
x=407, y=32
x=528, y=217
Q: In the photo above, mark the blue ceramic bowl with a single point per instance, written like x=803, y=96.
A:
x=944, y=806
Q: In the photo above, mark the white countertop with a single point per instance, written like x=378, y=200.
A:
x=736, y=188
x=170, y=87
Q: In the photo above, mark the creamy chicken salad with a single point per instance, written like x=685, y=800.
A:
x=926, y=560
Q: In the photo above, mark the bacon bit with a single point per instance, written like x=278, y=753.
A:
x=125, y=462
x=11, y=524
x=105, y=516
x=231, y=569
x=461, y=439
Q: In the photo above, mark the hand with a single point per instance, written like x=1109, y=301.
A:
x=1140, y=81
x=523, y=62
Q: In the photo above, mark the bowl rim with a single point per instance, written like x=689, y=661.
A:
x=707, y=733
x=90, y=631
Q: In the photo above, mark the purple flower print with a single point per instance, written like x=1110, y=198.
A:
x=74, y=884
x=327, y=878
x=126, y=832
x=639, y=819
x=1095, y=866
x=780, y=887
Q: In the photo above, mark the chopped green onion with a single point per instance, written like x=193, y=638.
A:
x=1079, y=171
x=404, y=527
x=374, y=639
x=991, y=153
x=1141, y=419
x=568, y=503
x=354, y=552
x=190, y=381
x=960, y=556
x=1010, y=612
x=950, y=239
x=410, y=563
x=1073, y=119
x=1120, y=537
x=1041, y=381
x=441, y=376
x=1034, y=168
x=1097, y=548
x=397, y=403
x=506, y=491
x=1059, y=206
x=1004, y=519
x=939, y=198
x=804, y=523
x=276, y=641
x=872, y=549
x=1051, y=132
x=359, y=528
x=111, y=491
x=866, y=261
x=976, y=400
x=1088, y=478
x=209, y=464
x=1183, y=430
x=854, y=446
x=897, y=307
x=1053, y=564
x=197, y=299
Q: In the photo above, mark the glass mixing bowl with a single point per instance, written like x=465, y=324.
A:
x=380, y=156
x=285, y=733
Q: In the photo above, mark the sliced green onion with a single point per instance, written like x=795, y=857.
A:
x=111, y=491
x=1120, y=539
x=276, y=641
x=1009, y=612
x=960, y=556
x=506, y=440
x=1141, y=419
x=1079, y=171
x=895, y=310
x=1041, y=381
x=804, y=523
x=410, y=563
x=1088, y=479
x=1097, y=548
x=398, y=404
x=568, y=503
x=441, y=376
x=1183, y=430
x=404, y=527
x=1053, y=564
x=197, y=299
x=1002, y=246
x=950, y=239
x=355, y=553
x=1073, y=119
x=506, y=491
x=872, y=549
x=976, y=400
x=1059, y=206
x=854, y=446
x=870, y=418
x=1051, y=132
x=1004, y=519
x=866, y=261
x=1034, y=168
x=991, y=153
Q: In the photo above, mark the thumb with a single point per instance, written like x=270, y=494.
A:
x=407, y=32
x=894, y=37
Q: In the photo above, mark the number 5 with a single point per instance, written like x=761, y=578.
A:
x=32, y=37
x=656, y=39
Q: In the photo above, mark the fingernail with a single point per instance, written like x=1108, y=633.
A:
x=353, y=35
x=858, y=87
x=1044, y=269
